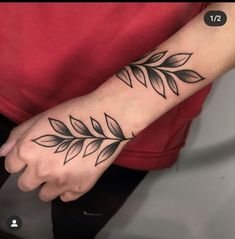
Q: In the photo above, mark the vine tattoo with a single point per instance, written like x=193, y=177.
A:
x=146, y=68
x=66, y=140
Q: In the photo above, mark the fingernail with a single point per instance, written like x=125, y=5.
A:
x=2, y=149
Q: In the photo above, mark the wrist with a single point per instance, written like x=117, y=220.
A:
x=123, y=103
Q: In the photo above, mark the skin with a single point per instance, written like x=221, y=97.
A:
x=134, y=108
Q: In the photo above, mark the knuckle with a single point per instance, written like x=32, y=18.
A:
x=68, y=196
x=23, y=184
x=82, y=188
x=8, y=167
x=77, y=188
x=20, y=150
x=42, y=173
x=23, y=149
x=63, y=198
x=13, y=132
x=21, y=187
x=42, y=196
x=13, y=163
x=61, y=180
x=83, y=185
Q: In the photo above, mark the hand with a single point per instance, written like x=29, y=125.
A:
x=65, y=149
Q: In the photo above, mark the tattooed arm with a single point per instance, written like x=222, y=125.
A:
x=69, y=146
x=188, y=61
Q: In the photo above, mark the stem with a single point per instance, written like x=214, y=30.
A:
x=164, y=70
x=90, y=137
x=155, y=67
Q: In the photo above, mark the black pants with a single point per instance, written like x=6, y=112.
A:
x=83, y=218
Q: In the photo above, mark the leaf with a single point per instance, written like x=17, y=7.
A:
x=60, y=127
x=48, y=140
x=139, y=60
x=107, y=152
x=176, y=60
x=63, y=146
x=124, y=75
x=92, y=147
x=96, y=126
x=156, y=81
x=74, y=150
x=171, y=82
x=139, y=74
x=156, y=57
x=114, y=127
x=80, y=127
x=188, y=76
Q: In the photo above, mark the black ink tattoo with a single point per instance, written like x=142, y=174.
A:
x=144, y=68
x=74, y=144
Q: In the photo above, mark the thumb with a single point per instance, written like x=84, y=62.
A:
x=15, y=135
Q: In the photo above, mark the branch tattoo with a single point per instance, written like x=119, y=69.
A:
x=146, y=68
x=67, y=141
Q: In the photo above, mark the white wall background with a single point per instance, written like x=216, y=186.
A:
x=195, y=199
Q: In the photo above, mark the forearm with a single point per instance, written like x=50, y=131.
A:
x=213, y=53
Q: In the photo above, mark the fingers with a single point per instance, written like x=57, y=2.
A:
x=15, y=134
x=28, y=180
x=50, y=191
x=11, y=141
x=6, y=147
x=13, y=163
x=70, y=196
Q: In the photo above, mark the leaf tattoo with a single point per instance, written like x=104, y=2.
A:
x=114, y=127
x=97, y=127
x=92, y=147
x=60, y=127
x=176, y=60
x=155, y=57
x=124, y=75
x=74, y=150
x=48, y=140
x=139, y=74
x=79, y=126
x=63, y=146
x=145, y=68
x=156, y=82
x=107, y=152
x=73, y=145
x=188, y=76
x=172, y=83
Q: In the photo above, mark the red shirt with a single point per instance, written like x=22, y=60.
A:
x=52, y=52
